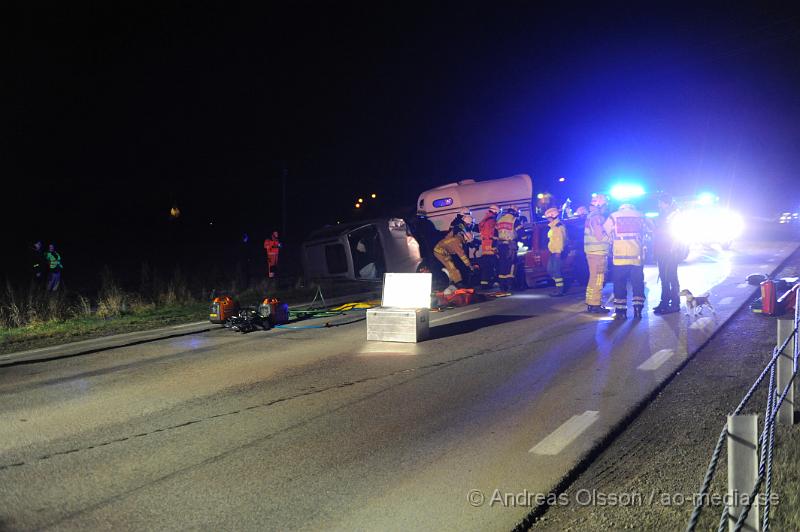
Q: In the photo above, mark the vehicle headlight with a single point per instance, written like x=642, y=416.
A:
x=707, y=226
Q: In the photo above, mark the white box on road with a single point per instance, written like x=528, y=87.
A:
x=398, y=324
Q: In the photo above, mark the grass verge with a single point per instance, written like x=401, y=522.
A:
x=43, y=334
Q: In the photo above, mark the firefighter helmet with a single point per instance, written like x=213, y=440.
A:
x=494, y=209
x=552, y=212
x=627, y=207
x=464, y=212
x=581, y=211
x=599, y=200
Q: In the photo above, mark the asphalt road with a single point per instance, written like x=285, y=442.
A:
x=320, y=429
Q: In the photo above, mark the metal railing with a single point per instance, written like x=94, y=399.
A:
x=746, y=448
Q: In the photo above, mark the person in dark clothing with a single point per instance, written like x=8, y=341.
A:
x=38, y=264
x=668, y=252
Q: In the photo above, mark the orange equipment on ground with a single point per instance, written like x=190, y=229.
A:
x=222, y=308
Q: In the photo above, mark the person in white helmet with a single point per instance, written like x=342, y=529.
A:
x=627, y=227
x=556, y=240
x=596, y=246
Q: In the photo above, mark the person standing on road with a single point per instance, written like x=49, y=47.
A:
x=556, y=240
x=272, y=246
x=488, y=260
x=53, y=258
x=453, y=244
x=669, y=252
x=595, y=246
x=507, y=227
x=627, y=227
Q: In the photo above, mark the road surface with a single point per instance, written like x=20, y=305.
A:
x=320, y=429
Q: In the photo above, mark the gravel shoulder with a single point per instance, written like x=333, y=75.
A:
x=646, y=478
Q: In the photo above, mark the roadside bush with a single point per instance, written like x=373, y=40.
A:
x=112, y=301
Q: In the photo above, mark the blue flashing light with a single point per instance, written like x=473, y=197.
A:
x=651, y=214
x=706, y=198
x=625, y=191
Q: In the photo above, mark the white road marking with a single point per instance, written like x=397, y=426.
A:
x=726, y=301
x=448, y=316
x=764, y=266
x=565, y=434
x=771, y=260
x=656, y=360
x=743, y=285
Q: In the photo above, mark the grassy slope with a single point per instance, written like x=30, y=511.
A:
x=57, y=332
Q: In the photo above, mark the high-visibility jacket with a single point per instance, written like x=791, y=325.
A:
x=272, y=246
x=627, y=228
x=595, y=239
x=556, y=236
x=488, y=239
x=452, y=245
x=507, y=226
x=54, y=261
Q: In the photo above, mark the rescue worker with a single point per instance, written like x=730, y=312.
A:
x=595, y=246
x=556, y=240
x=488, y=259
x=507, y=228
x=462, y=222
x=53, y=259
x=668, y=254
x=272, y=246
x=453, y=244
x=627, y=227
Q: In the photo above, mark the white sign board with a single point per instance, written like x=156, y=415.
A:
x=407, y=290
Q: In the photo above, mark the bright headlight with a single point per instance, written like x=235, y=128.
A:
x=707, y=226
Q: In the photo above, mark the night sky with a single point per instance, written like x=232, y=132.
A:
x=113, y=114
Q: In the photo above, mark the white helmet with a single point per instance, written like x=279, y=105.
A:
x=464, y=212
x=552, y=212
x=494, y=208
x=599, y=200
x=627, y=207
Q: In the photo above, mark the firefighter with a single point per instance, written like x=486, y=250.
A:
x=668, y=252
x=556, y=240
x=488, y=260
x=462, y=222
x=595, y=246
x=272, y=246
x=626, y=227
x=507, y=229
x=453, y=244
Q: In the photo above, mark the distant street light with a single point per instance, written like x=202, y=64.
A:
x=373, y=195
x=361, y=200
x=358, y=205
x=562, y=179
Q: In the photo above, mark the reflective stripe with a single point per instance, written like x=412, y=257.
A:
x=626, y=237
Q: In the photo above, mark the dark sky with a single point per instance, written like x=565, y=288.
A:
x=112, y=114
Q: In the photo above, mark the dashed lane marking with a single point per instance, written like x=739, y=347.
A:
x=448, y=316
x=566, y=433
x=656, y=360
x=743, y=285
x=726, y=301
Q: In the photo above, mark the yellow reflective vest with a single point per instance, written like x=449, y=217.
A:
x=506, y=227
x=556, y=236
x=627, y=228
x=592, y=245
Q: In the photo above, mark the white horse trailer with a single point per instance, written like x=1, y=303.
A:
x=441, y=204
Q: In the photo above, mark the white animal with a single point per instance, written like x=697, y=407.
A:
x=695, y=304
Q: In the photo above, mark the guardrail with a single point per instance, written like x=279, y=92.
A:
x=749, y=454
